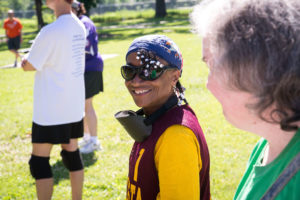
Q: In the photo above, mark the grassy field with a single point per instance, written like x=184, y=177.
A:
x=106, y=171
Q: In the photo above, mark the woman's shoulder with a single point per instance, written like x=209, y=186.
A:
x=86, y=20
x=179, y=130
x=177, y=138
x=178, y=134
x=50, y=28
x=183, y=113
x=49, y=33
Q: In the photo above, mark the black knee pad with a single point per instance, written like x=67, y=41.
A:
x=72, y=160
x=40, y=167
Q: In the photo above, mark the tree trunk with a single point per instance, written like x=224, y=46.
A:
x=160, y=8
x=38, y=9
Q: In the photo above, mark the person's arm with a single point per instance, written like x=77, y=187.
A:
x=21, y=38
x=95, y=43
x=40, y=50
x=20, y=26
x=178, y=162
x=6, y=34
x=5, y=28
x=27, y=66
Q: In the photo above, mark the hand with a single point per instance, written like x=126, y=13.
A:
x=27, y=66
x=23, y=63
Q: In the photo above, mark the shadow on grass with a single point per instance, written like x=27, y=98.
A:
x=117, y=33
x=152, y=21
x=172, y=15
x=166, y=21
x=174, y=22
x=130, y=33
x=60, y=172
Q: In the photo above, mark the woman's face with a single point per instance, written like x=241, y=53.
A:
x=151, y=95
x=234, y=102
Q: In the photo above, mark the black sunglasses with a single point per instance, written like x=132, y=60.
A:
x=145, y=73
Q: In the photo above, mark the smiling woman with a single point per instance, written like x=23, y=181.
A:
x=150, y=95
x=172, y=150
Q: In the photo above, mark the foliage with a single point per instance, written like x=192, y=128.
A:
x=88, y=4
x=106, y=171
x=3, y=7
x=15, y=4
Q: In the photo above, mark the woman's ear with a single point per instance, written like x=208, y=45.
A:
x=175, y=76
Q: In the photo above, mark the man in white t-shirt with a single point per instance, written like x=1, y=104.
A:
x=57, y=56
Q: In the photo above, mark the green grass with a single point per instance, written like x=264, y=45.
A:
x=111, y=17
x=106, y=171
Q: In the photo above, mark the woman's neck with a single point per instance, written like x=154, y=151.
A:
x=62, y=10
x=277, y=139
x=151, y=109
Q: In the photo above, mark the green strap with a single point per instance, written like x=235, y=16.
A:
x=283, y=179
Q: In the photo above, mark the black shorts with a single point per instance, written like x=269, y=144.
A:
x=14, y=43
x=93, y=83
x=56, y=134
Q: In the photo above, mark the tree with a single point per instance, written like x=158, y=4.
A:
x=38, y=9
x=160, y=8
x=3, y=8
x=88, y=4
x=16, y=5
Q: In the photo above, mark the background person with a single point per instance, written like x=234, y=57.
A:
x=13, y=32
x=93, y=80
x=252, y=49
x=173, y=162
x=57, y=55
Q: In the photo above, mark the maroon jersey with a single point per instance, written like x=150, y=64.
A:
x=143, y=177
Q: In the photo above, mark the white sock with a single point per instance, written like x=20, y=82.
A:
x=94, y=139
x=87, y=136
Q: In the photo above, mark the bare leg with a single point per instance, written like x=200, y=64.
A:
x=77, y=184
x=86, y=128
x=90, y=117
x=76, y=177
x=15, y=52
x=44, y=187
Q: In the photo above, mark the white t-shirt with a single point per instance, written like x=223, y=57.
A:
x=58, y=56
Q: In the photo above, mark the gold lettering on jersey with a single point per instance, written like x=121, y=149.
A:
x=136, y=168
x=138, y=196
x=133, y=191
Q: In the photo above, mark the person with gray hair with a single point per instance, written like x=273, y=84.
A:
x=252, y=49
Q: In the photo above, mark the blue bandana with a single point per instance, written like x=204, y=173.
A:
x=160, y=45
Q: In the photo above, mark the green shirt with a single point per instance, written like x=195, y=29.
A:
x=257, y=178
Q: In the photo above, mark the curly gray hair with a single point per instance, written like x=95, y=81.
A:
x=258, y=44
